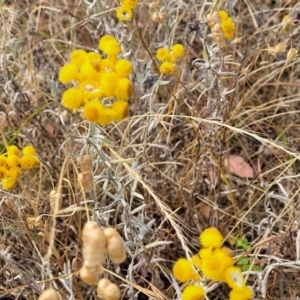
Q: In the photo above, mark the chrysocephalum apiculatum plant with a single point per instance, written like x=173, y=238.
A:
x=13, y=162
x=214, y=262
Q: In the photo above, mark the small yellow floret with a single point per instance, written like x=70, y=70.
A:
x=129, y=3
x=123, y=89
x=3, y=173
x=3, y=161
x=183, y=270
x=121, y=109
x=196, y=261
x=68, y=73
x=234, y=278
x=123, y=67
x=72, y=98
x=29, y=161
x=244, y=293
x=95, y=59
x=178, y=50
x=12, y=149
x=167, y=68
x=12, y=160
x=124, y=13
x=28, y=150
x=87, y=71
x=109, y=45
x=223, y=15
x=14, y=172
x=78, y=57
x=108, y=83
x=8, y=183
x=211, y=237
x=93, y=111
x=163, y=54
x=228, y=28
x=193, y=292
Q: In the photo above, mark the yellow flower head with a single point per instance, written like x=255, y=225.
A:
x=109, y=45
x=211, y=237
x=28, y=150
x=94, y=58
x=234, y=278
x=193, y=292
x=163, y=54
x=167, y=68
x=68, y=73
x=131, y=4
x=244, y=293
x=123, y=89
x=178, y=50
x=28, y=162
x=14, y=172
x=3, y=161
x=93, y=111
x=196, y=261
x=87, y=71
x=72, y=98
x=223, y=15
x=228, y=28
x=12, y=149
x=78, y=57
x=3, y=173
x=8, y=183
x=109, y=115
x=90, y=89
x=123, y=67
x=12, y=160
x=121, y=109
x=183, y=270
x=124, y=13
x=108, y=84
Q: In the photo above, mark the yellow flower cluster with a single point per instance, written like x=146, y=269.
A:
x=124, y=12
x=169, y=58
x=97, y=78
x=11, y=164
x=216, y=263
x=222, y=26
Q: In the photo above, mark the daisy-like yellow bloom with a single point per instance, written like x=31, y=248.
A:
x=92, y=111
x=78, y=57
x=72, y=98
x=121, y=109
x=12, y=160
x=8, y=183
x=193, y=292
x=163, y=54
x=68, y=73
x=12, y=149
x=123, y=89
x=213, y=266
x=244, y=293
x=183, y=270
x=14, y=172
x=109, y=45
x=131, y=4
x=28, y=150
x=28, y=162
x=178, y=50
x=123, y=67
x=108, y=83
x=211, y=237
x=234, y=278
x=124, y=13
x=167, y=68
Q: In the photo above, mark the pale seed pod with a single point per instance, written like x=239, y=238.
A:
x=11, y=204
x=162, y=18
x=86, y=180
x=108, y=290
x=213, y=19
x=155, y=17
x=153, y=6
x=94, y=242
x=85, y=163
x=218, y=35
x=55, y=197
x=114, y=246
x=49, y=294
x=88, y=276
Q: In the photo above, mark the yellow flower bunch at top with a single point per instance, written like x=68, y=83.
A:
x=216, y=263
x=96, y=77
x=124, y=12
x=11, y=164
x=169, y=58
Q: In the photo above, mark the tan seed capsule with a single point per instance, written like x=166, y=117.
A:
x=55, y=200
x=85, y=163
x=108, y=290
x=86, y=180
x=88, y=276
x=49, y=294
x=114, y=247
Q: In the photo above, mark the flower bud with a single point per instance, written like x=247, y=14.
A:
x=108, y=290
x=49, y=294
x=114, y=247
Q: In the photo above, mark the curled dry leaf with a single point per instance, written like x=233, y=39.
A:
x=238, y=166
